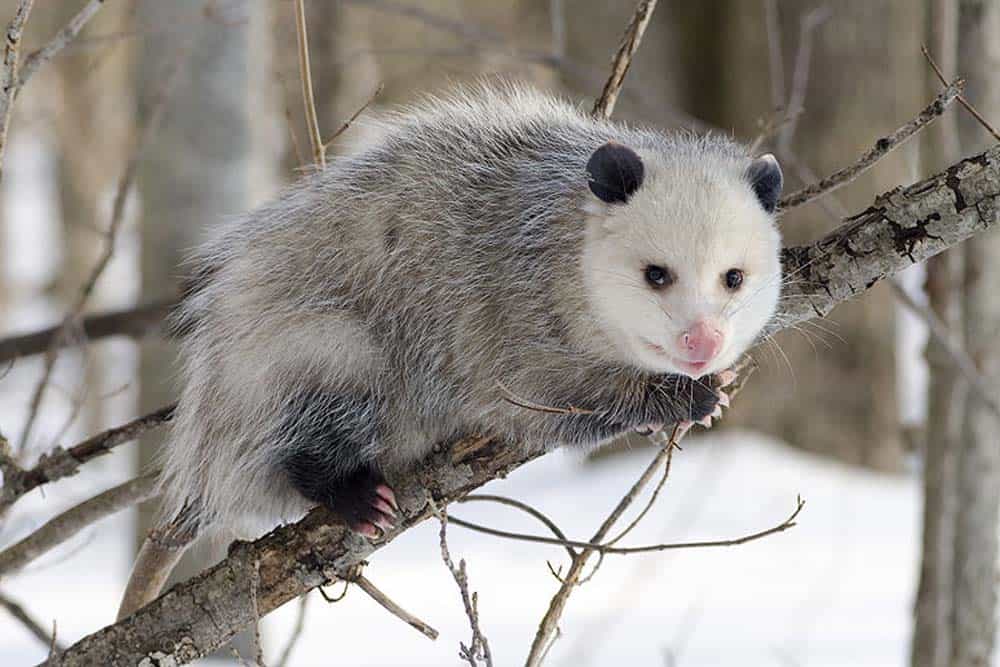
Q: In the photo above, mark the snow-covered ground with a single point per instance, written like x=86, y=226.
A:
x=835, y=590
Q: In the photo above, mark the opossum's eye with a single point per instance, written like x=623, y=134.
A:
x=766, y=180
x=615, y=172
x=733, y=279
x=658, y=277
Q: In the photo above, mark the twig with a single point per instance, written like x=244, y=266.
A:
x=949, y=341
x=68, y=524
x=136, y=321
x=368, y=587
x=111, y=235
x=800, y=74
x=548, y=626
x=671, y=446
x=36, y=59
x=961, y=98
x=605, y=104
x=479, y=648
x=300, y=623
x=61, y=463
x=775, y=56
x=607, y=548
x=514, y=399
x=882, y=147
x=305, y=74
x=524, y=507
x=15, y=609
x=8, y=72
x=549, y=623
x=343, y=128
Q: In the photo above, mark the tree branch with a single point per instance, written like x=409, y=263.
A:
x=605, y=104
x=65, y=462
x=137, y=321
x=72, y=521
x=36, y=59
x=8, y=71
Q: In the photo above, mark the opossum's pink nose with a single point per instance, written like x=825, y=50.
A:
x=701, y=342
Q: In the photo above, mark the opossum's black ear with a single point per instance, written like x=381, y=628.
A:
x=765, y=178
x=615, y=172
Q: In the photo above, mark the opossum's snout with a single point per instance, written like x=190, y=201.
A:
x=700, y=343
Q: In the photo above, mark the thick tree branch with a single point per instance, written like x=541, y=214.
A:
x=904, y=226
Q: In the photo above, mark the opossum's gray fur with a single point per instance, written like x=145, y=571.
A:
x=392, y=291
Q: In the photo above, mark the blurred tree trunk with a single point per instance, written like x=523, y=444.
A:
x=94, y=120
x=975, y=583
x=836, y=394
x=196, y=169
x=931, y=646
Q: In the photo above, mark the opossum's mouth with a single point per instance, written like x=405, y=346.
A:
x=693, y=368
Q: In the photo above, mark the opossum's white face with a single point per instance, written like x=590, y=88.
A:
x=681, y=260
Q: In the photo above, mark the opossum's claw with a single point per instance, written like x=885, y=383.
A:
x=384, y=492
x=366, y=529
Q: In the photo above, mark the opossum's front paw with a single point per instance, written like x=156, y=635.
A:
x=365, y=502
x=711, y=407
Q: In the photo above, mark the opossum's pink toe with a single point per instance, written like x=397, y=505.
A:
x=366, y=529
x=386, y=494
x=384, y=507
x=726, y=378
x=706, y=422
x=723, y=399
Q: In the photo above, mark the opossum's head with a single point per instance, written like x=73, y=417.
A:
x=681, y=257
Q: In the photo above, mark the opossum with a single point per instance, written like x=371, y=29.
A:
x=492, y=251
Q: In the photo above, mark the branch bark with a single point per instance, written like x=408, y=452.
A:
x=904, y=226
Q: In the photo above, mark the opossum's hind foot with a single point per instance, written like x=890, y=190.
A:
x=365, y=502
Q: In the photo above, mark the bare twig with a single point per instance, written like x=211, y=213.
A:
x=549, y=623
x=961, y=98
x=305, y=74
x=605, y=104
x=137, y=321
x=36, y=59
x=72, y=521
x=524, y=507
x=514, y=399
x=882, y=147
x=607, y=548
x=8, y=72
x=368, y=587
x=293, y=639
x=479, y=648
x=61, y=463
x=800, y=73
x=111, y=235
x=15, y=609
x=343, y=128
x=951, y=344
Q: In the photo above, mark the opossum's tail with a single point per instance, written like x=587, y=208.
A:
x=160, y=551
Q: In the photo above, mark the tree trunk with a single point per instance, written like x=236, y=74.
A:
x=196, y=169
x=931, y=645
x=975, y=588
